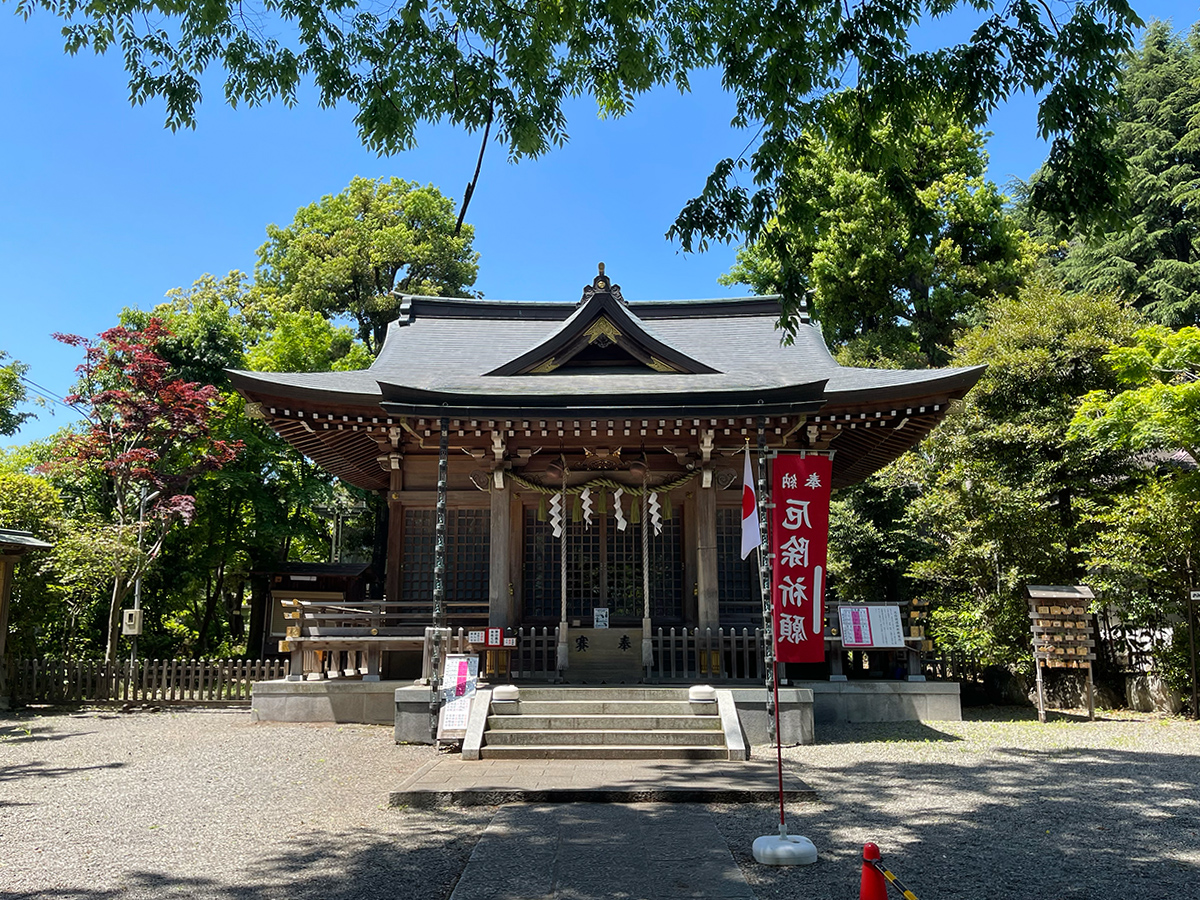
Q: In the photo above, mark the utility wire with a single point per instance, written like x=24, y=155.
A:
x=46, y=394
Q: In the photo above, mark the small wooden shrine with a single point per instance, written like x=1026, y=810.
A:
x=13, y=545
x=587, y=453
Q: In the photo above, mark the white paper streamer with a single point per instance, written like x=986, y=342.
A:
x=585, y=502
x=618, y=513
x=655, y=513
x=556, y=514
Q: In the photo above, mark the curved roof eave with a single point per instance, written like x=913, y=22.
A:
x=800, y=398
x=316, y=386
x=941, y=381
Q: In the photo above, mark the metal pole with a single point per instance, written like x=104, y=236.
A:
x=764, y=578
x=137, y=583
x=647, y=639
x=562, y=658
x=1192, y=597
x=439, y=579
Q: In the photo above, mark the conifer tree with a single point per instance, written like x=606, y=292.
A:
x=1153, y=257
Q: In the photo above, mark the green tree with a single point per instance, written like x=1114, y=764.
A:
x=1145, y=559
x=344, y=255
x=305, y=341
x=1007, y=491
x=891, y=256
x=12, y=394
x=148, y=435
x=1156, y=406
x=30, y=503
x=1153, y=256
x=257, y=511
x=1145, y=554
x=511, y=67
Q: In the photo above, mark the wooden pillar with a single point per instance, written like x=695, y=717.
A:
x=500, y=554
x=7, y=565
x=395, y=535
x=708, y=611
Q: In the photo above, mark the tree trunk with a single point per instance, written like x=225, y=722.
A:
x=210, y=607
x=259, y=614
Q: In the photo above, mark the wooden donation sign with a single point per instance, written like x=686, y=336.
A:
x=1062, y=634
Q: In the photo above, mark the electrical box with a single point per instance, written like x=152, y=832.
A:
x=131, y=622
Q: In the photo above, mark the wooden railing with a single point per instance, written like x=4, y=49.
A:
x=952, y=667
x=174, y=681
x=690, y=654
x=536, y=654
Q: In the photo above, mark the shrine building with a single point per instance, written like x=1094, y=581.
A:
x=592, y=469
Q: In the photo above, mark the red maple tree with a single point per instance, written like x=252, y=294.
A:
x=147, y=435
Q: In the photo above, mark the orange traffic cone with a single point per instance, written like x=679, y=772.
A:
x=874, y=885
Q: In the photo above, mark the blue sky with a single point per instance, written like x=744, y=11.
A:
x=104, y=208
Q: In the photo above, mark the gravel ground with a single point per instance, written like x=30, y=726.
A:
x=1000, y=806
x=203, y=803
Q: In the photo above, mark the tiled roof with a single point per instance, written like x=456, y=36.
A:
x=448, y=346
x=20, y=541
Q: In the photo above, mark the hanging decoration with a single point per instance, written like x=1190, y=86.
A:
x=596, y=484
x=556, y=514
x=655, y=509
x=618, y=513
x=585, y=500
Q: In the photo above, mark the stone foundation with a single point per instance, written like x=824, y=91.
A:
x=361, y=702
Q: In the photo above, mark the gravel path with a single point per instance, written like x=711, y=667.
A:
x=205, y=804
x=997, y=808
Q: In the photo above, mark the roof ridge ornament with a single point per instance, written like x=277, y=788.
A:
x=601, y=284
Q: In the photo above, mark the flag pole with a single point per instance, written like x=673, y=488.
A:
x=777, y=849
x=764, y=586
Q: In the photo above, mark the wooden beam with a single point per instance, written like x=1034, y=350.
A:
x=499, y=575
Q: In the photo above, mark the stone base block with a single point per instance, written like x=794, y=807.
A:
x=795, y=715
x=411, y=714
x=884, y=701
x=362, y=702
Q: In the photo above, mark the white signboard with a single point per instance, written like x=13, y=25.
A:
x=600, y=617
x=871, y=626
x=459, y=678
x=1196, y=596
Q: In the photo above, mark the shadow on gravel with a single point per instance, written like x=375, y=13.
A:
x=888, y=732
x=354, y=864
x=1058, y=823
x=38, y=770
x=1029, y=714
x=29, y=734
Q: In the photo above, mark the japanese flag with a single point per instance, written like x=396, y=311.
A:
x=751, y=536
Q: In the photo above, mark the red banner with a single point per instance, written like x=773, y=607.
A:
x=799, y=539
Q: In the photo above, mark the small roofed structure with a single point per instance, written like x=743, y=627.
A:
x=13, y=545
x=619, y=408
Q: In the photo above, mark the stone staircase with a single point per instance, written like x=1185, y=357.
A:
x=603, y=723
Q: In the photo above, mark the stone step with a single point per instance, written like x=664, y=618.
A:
x=591, y=737
x=603, y=751
x=608, y=692
x=605, y=708
x=571, y=722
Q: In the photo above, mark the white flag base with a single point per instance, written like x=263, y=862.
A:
x=784, y=850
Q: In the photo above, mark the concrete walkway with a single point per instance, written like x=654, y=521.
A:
x=654, y=851
x=451, y=781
